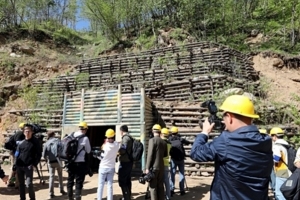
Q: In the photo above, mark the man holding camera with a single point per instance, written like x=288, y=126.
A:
x=14, y=141
x=177, y=153
x=243, y=156
x=157, y=150
x=28, y=155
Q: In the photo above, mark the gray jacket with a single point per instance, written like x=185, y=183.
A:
x=49, y=150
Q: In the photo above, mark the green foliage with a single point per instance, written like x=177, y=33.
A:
x=145, y=42
x=82, y=79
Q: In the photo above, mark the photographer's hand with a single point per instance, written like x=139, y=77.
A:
x=207, y=127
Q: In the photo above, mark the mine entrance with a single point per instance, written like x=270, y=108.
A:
x=96, y=135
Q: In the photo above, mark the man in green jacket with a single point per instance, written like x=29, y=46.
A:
x=157, y=150
x=126, y=163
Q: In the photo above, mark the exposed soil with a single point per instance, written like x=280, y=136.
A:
x=279, y=81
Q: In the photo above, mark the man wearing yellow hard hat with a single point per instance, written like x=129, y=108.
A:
x=281, y=161
x=157, y=150
x=77, y=169
x=164, y=135
x=242, y=155
x=107, y=165
x=177, y=154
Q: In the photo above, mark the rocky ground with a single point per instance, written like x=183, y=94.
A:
x=197, y=189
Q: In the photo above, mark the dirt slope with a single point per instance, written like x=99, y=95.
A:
x=278, y=81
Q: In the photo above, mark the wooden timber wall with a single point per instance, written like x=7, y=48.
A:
x=169, y=75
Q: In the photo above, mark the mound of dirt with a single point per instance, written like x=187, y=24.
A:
x=279, y=81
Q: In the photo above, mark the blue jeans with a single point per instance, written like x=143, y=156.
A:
x=278, y=194
x=167, y=182
x=272, y=180
x=105, y=174
x=180, y=165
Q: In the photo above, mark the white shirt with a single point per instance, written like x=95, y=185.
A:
x=109, y=156
x=82, y=143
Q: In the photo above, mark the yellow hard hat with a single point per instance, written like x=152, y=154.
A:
x=276, y=131
x=83, y=125
x=240, y=105
x=110, y=133
x=174, y=129
x=165, y=131
x=21, y=125
x=156, y=127
x=263, y=131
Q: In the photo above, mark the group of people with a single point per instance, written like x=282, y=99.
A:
x=280, y=172
x=165, y=153
x=246, y=160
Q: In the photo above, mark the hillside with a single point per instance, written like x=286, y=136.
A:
x=26, y=60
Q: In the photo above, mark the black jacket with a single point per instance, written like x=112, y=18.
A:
x=28, y=153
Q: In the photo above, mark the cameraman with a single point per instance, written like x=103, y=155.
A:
x=243, y=156
x=157, y=150
x=177, y=153
x=15, y=139
x=107, y=165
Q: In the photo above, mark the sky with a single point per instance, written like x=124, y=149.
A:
x=82, y=24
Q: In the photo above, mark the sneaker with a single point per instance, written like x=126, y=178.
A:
x=63, y=192
x=11, y=185
x=182, y=193
x=51, y=196
x=172, y=193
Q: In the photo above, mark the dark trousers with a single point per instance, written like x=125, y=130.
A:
x=156, y=185
x=124, y=174
x=26, y=174
x=76, y=171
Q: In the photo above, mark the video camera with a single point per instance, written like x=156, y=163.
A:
x=146, y=177
x=213, y=118
x=36, y=128
x=97, y=153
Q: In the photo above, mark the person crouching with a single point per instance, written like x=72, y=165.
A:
x=107, y=165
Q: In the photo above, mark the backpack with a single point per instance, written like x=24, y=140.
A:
x=69, y=148
x=290, y=189
x=54, y=149
x=177, y=151
x=291, y=152
x=137, y=150
x=37, y=128
x=10, y=144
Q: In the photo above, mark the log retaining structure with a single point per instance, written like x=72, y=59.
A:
x=157, y=74
x=187, y=116
x=169, y=75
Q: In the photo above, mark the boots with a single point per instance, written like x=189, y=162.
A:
x=70, y=193
x=126, y=193
x=77, y=194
